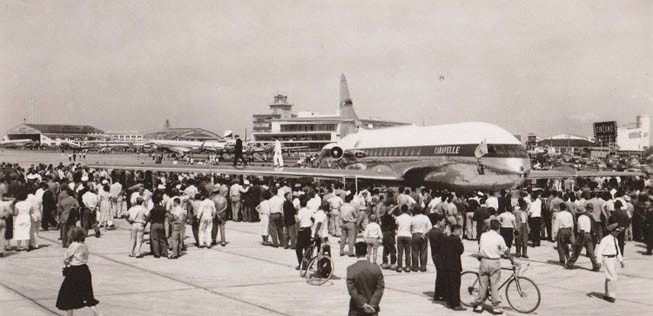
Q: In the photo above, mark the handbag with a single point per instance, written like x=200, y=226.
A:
x=65, y=271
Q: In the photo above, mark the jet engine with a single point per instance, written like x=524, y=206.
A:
x=336, y=152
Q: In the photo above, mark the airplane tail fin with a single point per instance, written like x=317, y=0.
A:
x=346, y=110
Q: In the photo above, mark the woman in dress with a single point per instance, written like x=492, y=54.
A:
x=76, y=290
x=22, y=221
x=105, y=206
x=263, y=210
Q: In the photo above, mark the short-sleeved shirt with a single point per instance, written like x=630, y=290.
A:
x=507, y=220
x=305, y=215
x=347, y=213
x=420, y=224
x=335, y=202
x=321, y=217
x=404, y=222
x=565, y=220
x=584, y=223
x=492, y=245
x=137, y=214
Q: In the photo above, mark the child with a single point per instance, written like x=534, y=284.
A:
x=373, y=236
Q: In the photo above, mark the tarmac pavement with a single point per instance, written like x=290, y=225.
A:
x=246, y=278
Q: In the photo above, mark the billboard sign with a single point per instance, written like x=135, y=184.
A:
x=605, y=132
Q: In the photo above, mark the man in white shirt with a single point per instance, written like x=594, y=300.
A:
x=136, y=216
x=115, y=193
x=304, y=223
x=277, y=158
x=348, y=214
x=491, y=248
x=276, y=219
x=564, y=225
x=404, y=238
x=314, y=202
x=205, y=215
x=535, y=219
x=373, y=236
x=234, y=193
x=406, y=199
x=584, y=239
x=89, y=218
x=608, y=250
x=492, y=201
x=335, y=202
x=419, y=226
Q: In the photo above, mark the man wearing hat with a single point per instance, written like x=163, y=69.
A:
x=365, y=284
x=584, y=239
x=608, y=250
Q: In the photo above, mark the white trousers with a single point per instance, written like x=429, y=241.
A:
x=277, y=159
x=610, y=267
x=205, y=232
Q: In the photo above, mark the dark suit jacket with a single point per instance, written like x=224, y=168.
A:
x=365, y=285
x=450, y=250
x=49, y=203
x=435, y=240
x=239, y=146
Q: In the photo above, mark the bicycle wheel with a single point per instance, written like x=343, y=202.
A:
x=523, y=295
x=319, y=270
x=469, y=287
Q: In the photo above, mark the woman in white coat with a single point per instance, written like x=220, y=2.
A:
x=263, y=210
x=22, y=221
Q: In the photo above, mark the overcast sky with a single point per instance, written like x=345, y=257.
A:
x=547, y=67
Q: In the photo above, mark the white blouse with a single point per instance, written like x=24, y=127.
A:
x=76, y=254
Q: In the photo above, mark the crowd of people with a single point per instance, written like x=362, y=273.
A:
x=583, y=214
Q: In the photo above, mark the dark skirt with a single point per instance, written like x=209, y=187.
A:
x=76, y=290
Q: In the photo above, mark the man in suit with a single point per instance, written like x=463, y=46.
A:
x=450, y=267
x=365, y=284
x=435, y=236
x=49, y=208
x=238, y=152
x=67, y=210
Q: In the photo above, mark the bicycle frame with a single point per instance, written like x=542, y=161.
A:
x=513, y=276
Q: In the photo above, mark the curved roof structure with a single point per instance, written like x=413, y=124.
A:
x=183, y=134
x=65, y=129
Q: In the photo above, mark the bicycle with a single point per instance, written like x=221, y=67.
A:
x=317, y=269
x=522, y=293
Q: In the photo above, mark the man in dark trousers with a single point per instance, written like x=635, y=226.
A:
x=49, y=208
x=238, y=152
x=365, y=284
x=435, y=236
x=450, y=266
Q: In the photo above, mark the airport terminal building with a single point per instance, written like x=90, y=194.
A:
x=311, y=130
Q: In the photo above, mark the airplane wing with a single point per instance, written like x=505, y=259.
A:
x=553, y=174
x=319, y=173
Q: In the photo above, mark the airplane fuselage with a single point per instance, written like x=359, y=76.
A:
x=441, y=155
